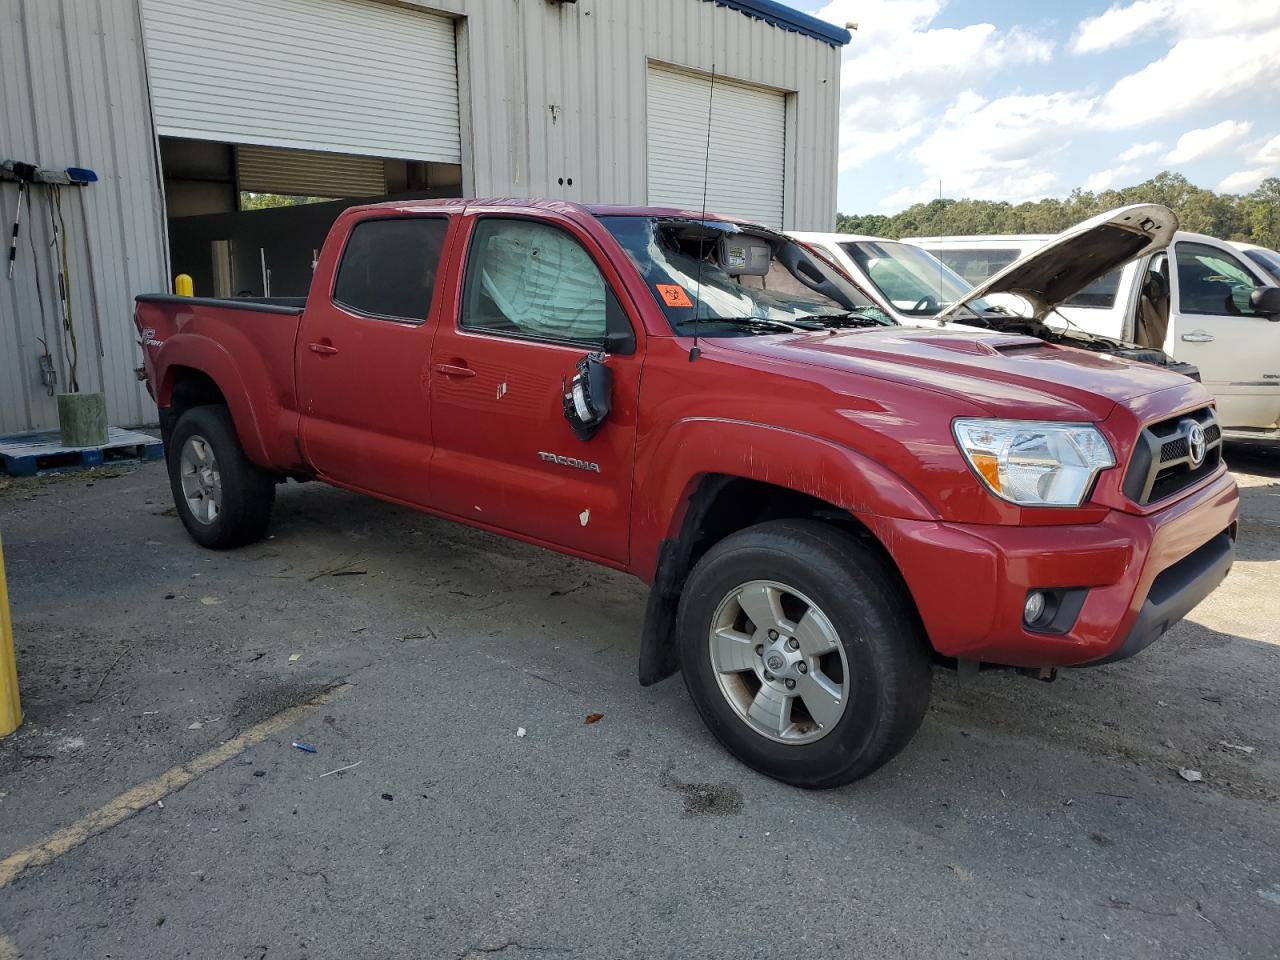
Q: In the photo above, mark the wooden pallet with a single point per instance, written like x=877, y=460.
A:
x=26, y=454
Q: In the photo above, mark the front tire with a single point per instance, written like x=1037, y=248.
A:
x=223, y=499
x=803, y=653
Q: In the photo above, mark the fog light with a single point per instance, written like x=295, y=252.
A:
x=1033, y=609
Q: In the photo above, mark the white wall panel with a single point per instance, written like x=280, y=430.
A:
x=726, y=135
x=348, y=76
x=589, y=60
x=73, y=93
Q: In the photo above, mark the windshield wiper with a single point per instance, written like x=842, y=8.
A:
x=759, y=323
x=849, y=318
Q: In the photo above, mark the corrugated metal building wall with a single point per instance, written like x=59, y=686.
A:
x=552, y=103
x=73, y=92
x=589, y=59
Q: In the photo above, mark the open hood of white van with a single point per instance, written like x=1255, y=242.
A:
x=1076, y=257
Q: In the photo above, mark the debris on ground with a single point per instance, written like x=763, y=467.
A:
x=1236, y=746
x=295, y=657
x=387, y=796
x=1191, y=776
x=521, y=731
x=593, y=718
x=304, y=747
x=349, y=766
x=210, y=601
x=342, y=570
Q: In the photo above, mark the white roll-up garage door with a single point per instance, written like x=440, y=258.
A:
x=748, y=145
x=347, y=76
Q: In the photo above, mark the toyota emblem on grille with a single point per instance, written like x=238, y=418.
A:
x=1196, y=444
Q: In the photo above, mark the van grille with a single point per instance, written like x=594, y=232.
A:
x=1164, y=460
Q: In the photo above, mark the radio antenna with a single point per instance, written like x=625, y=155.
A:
x=696, y=352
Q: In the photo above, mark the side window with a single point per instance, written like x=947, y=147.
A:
x=1101, y=293
x=388, y=269
x=531, y=279
x=976, y=264
x=1212, y=281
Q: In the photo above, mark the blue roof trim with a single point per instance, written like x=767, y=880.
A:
x=788, y=19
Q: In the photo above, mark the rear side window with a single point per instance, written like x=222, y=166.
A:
x=975, y=264
x=388, y=269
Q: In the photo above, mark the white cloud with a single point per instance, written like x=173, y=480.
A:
x=1000, y=149
x=1139, y=150
x=1106, y=179
x=1242, y=181
x=1195, y=144
x=1197, y=71
x=898, y=71
x=1269, y=153
x=918, y=93
x=1121, y=25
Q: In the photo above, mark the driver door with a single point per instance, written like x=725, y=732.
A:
x=1212, y=325
x=534, y=298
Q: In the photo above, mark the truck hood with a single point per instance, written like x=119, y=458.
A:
x=1007, y=375
x=1076, y=257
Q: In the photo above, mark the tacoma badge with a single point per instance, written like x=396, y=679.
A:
x=569, y=461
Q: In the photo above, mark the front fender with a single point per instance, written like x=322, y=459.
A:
x=669, y=470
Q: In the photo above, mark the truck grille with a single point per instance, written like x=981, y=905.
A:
x=1166, y=460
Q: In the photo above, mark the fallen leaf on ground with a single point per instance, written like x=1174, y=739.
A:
x=594, y=718
x=1191, y=776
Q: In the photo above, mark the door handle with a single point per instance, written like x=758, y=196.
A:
x=324, y=349
x=1198, y=336
x=454, y=370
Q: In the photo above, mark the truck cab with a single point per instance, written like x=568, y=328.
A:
x=1202, y=301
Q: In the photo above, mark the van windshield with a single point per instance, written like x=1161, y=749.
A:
x=916, y=282
x=738, y=280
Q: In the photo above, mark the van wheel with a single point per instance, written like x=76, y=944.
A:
x=224, y=500
x=803, y=652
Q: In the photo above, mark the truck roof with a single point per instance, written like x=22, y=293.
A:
x=551, y=205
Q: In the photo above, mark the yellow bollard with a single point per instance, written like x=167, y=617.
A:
x=10, y=707
x=184, y=286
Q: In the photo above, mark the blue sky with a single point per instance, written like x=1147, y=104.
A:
x=1007, y=100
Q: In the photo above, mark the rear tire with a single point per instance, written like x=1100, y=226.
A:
x=223, y=498
x=834, y=680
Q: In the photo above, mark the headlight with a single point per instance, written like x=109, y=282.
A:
x=1034, y=464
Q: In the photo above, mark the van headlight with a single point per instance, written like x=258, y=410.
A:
x=1033, y=463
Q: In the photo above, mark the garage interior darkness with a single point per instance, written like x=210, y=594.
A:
x=249, y=221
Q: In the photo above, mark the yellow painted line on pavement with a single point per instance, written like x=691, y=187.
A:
x=146, y=794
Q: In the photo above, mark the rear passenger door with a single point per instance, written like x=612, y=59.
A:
x=535, y=297
x=1212, y=325
x=363, y=359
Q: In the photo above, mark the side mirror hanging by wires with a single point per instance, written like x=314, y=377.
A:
x=588, y=396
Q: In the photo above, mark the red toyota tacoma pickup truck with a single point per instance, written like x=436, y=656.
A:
x=823, y=503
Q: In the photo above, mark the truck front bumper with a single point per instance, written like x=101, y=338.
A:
x=1139, y=575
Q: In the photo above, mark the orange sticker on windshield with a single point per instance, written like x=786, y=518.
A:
x=673, y=295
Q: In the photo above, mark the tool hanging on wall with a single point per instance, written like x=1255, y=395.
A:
x=70, y=348
x=26, y=174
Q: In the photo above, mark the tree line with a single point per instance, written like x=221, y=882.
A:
x=1251, y=218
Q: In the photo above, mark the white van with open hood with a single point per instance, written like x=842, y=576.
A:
x=917, y=289
x=1213, y=309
